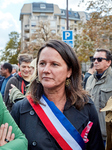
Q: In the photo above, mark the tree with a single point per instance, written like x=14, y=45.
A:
x=97, y=31
x=42, y=34
x=83, y=47
x=99, y=27
x=12, y=49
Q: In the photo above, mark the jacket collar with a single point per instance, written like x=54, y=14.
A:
x=26, y=107
x=107, y=71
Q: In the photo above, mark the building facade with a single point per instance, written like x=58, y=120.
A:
x=32, y=13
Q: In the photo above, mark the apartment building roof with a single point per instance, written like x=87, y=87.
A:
x=71, y=14
x=42, y=7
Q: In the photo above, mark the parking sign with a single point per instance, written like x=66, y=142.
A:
x=67, y=37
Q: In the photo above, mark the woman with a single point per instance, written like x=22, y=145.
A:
x=57, y=114
x=11, y=138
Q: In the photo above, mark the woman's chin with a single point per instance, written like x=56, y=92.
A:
x=48, y=86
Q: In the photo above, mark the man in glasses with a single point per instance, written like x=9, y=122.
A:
x=99, y=84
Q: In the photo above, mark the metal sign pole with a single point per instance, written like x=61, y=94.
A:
x=67, y=14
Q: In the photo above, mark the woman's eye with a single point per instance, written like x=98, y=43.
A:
x=42, y=63
x=55, y=64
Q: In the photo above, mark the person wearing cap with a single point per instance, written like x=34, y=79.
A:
x=99, y=85
x=108, y=119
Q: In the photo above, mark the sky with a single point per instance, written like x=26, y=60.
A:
x=10, y=14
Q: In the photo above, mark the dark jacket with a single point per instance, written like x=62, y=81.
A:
x=17, y=81
x=87, y=75
x=1, y=81
x=39, y=138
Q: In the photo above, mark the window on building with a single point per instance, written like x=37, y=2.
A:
x=55, y=17
x=69, y=12
x=52, y=23
x=33, y=30
x=75, y=21
x=62, y=28
x=27, y=25
x=58, y=26
x=62, y=21
x=42, y=14
x=42, y=6
x=33, y=24
x=76, y=14
x=62, y=12
x=53, y=31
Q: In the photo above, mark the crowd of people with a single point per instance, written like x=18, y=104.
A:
x=43, y=104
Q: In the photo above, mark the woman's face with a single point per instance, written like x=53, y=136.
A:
x=52, y=69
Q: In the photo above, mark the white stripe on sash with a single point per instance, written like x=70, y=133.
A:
x=59, y=127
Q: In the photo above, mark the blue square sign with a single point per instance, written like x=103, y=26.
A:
x=67, y=37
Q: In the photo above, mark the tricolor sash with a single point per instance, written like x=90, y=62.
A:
x=58, y=125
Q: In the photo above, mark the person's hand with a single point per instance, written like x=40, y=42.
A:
x=6, y=134
x=11, y=88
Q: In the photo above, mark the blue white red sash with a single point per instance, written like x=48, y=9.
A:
x=58, y=125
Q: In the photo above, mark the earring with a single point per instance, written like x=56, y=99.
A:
x=37, y=80
x=67, y=83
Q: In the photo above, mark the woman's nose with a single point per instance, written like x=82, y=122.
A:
x=46, y=68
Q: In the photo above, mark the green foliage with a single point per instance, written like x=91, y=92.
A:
x=97, y=31
x=84, y=47
x=12, y=49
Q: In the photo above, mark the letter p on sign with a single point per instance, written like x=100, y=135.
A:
x=67, y=37
x=67, y=34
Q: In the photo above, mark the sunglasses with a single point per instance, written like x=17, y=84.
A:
x=99, y=59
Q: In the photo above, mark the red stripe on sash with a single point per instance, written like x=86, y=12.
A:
x=49, y=126
x=22, y=84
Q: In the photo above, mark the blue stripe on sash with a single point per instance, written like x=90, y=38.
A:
x=66, y=123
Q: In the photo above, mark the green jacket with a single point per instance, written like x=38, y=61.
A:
x=20, y=142
x=16, y=94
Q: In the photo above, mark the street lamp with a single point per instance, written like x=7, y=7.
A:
x=67, y=13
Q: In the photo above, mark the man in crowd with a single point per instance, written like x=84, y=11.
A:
x=6, y=70
x=21, y=80
x=1, y=78
x=88, y=73
x=15, y=69
x=99, y=84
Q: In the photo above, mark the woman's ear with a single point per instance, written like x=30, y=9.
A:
x=69, y=72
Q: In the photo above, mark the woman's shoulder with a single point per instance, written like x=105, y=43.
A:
x=89, y=107
x=22, y=105
x=90, y=102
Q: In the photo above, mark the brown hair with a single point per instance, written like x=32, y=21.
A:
x=24, y=58
x=75, y=94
